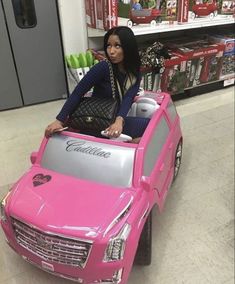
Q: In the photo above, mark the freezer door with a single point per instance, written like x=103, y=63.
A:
x=10, y=95
x=37, y=47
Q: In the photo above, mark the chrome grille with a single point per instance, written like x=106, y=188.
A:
x=51, y=247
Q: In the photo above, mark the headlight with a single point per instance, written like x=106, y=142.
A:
x=2, y=208
x=116, y=247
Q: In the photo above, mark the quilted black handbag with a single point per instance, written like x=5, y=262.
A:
x=94, y=114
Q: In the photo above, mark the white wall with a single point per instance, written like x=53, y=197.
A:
x=73, y=26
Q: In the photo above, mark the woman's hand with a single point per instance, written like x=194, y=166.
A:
x=115, y=129
x=53, y=127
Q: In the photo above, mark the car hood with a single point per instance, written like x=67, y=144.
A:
x=63, y=204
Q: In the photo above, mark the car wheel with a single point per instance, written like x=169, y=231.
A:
x=159, y=20
x=153, y=23
x=193, y=15
x=162, y=69
x=211, y=15
x=129, y=24
x=144, y=251
x=178, y=157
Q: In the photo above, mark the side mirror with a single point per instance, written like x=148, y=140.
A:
x=33, y=157
x=145, y=183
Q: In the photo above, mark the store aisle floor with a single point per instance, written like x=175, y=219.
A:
x=193, y=239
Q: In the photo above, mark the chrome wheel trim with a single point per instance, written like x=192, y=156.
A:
x=178, y=156
x=153, y=23
x=129, y=24
x=211, y=16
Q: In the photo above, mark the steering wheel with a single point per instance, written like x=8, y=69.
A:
x=122, y=137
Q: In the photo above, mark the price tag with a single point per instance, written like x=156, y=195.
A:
x=228, y=82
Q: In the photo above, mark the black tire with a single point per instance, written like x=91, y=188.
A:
x=158, y=20
x=144, y=251
x=178, y=157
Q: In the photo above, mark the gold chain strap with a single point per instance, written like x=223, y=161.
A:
x=111, y=78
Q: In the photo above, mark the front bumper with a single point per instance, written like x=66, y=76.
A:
x=95, y=270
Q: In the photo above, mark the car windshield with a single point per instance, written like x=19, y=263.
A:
x=89, y=160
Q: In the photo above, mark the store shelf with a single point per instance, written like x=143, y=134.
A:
x=227, y=81
x=201, y=89
x=166, y=28
x=145, y=29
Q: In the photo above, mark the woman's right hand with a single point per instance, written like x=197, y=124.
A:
x=53, y=127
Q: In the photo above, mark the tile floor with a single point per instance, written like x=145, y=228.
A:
x=193, y=239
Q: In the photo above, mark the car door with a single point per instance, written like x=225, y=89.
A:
x=158, y=158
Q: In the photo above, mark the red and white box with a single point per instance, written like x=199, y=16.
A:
x=183, y=9
x=173, y=79
x=110, y=9
x=99, y=15
x=90, y=13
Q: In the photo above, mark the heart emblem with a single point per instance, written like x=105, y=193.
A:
x=40, y=179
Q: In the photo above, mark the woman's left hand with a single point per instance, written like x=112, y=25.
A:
x=115, y=129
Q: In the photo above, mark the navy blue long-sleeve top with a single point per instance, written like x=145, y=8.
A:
x=99, y=78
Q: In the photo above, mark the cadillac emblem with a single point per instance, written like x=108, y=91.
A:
x=42, y=243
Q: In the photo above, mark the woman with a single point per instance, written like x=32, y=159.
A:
x=121, y=49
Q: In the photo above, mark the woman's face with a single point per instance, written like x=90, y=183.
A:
x=114, y=49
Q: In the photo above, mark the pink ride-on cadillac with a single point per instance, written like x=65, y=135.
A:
x=83, y=210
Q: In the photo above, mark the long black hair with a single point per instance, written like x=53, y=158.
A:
x=129, y=45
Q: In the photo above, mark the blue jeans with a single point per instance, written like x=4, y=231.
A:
x=135, y=126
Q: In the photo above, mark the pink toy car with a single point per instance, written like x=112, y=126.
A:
x=83, y=210
x=144, y=16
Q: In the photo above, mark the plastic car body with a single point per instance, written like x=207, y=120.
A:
x=144, y=16
x=202, y=9
x=80, y=210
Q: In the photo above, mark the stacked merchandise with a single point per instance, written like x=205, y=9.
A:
x=192, y=63
x=105, y=14
x=173, y=79
x=77, y=66
x=153, y=65
x=165, y=10
x=174, y=66
x=150, y=79
x=199, y=62
x=228, y=62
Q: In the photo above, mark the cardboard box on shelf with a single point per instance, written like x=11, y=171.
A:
x=90, y=13
x=101, y=14
x=228, y=61
x=191, y=67
x=110, y=18
x=173, y=79
x=147, y=79
x=227, y=40
x=124, y=8
x=183, y=10
x=228, y=7
x=171, y=10
x=204, y=59
x=228, y=67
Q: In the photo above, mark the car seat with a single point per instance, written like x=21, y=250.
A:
x=143, y=107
